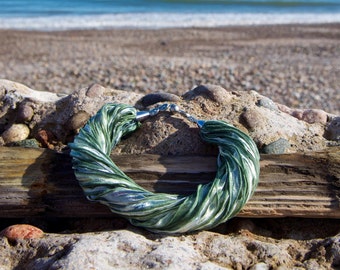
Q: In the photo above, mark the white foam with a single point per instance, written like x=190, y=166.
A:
x=163, y=20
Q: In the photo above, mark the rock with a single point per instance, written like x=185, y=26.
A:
x=77, y=121
x=251, y=118
x=297, y=114
x=95, y=91
x=22, y=231
x=310, y=116
x=278, y=147
x=335, y=253
x=333, y=129
x=267, y=103
x=15, y=133
x=213, y=92
x=314, y=116
x=25, y=113
x=19, y=92
x=154, y=98
x=284, y=108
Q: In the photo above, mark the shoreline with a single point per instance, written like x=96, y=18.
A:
x=294, y=64
x=334, y=25
x=167, y=19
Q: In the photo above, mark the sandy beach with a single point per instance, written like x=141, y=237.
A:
x=296, y=65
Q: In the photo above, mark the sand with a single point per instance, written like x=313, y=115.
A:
x=296, y=65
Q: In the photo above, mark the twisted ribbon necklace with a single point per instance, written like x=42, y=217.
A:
x=212, y=204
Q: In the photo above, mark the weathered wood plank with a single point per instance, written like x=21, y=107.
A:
x=40, y=182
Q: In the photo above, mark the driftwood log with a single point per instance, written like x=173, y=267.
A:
x=40, y=182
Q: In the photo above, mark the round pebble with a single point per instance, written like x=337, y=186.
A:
x=25, y=113
x=278, y=147
x=297, y=114
x=333, y=129
x=267, y=103
x=314, y=116
x=251, y=119
x=22, y=231
x=15, y=133
x=154, y=98
x=95, y=90
x=78, y=120
x=284, y=108
x=213, y=92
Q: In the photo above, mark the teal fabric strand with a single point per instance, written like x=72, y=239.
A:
x=212, y=204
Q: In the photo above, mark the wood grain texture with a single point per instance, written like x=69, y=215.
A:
x=40, y=182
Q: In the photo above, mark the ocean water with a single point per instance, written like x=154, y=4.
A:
x=101, y=14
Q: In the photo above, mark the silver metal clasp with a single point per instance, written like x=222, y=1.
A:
x=142, y=115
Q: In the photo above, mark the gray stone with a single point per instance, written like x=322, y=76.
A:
x=333, y=129
x=213, y=92
x=151, y=99
x=267, y=103
x=278, y=147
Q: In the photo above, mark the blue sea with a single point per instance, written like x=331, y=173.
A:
x=103, y=14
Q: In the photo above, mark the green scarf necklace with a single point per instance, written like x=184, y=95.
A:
x=212, y=204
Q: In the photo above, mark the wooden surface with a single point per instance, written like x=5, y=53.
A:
x=40, y=182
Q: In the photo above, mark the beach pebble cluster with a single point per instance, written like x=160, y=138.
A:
x=292, y=65
x=54, y=122
x=148, y=75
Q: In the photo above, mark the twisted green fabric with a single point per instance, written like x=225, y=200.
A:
x=213, y=203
